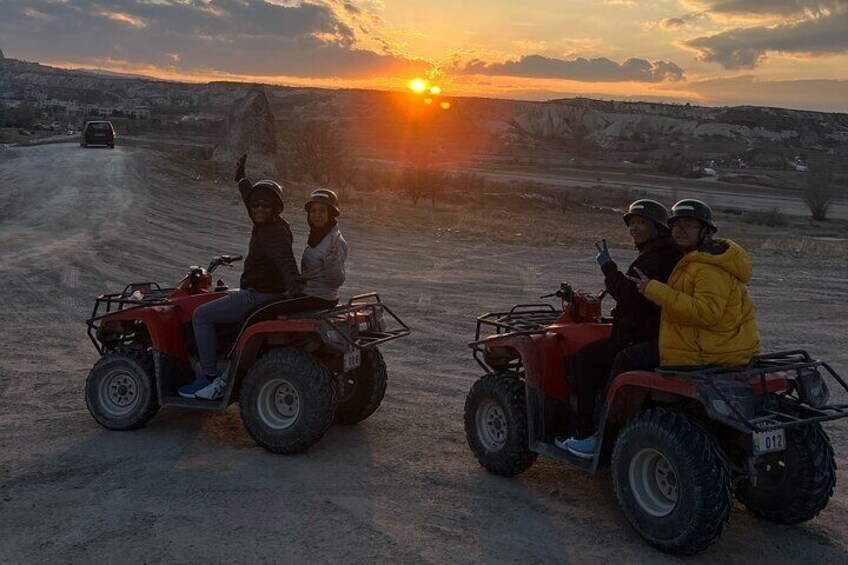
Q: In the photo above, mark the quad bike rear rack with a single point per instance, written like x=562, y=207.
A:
x=726, y=391
x=356, y=313
x=521, y=319
x=106, y=304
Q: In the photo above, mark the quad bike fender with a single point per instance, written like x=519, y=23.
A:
x=542, y=354
x=163, y=324
x=253, y=340
x=539, y=355
x=262, y=331
x=631, y=392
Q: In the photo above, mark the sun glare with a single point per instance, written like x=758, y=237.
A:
x=436, y=90
x=418, y=85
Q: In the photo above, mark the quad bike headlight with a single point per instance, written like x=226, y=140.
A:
x=729, y=400
x=811, y=387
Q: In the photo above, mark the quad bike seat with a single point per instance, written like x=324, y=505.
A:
x=275, y=310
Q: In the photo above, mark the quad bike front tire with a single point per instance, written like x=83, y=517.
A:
x=671, y=481
x=286, y=401
x=364, y=390
x=120, y=391
x=793, y=485
x=496, y=424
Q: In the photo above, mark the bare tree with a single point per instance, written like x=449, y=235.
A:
x=418, y=183
x=320, y=150
x=818, y=193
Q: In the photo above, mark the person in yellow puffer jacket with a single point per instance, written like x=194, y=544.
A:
x=707, y=315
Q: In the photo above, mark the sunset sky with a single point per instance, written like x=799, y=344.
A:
x=767, y=52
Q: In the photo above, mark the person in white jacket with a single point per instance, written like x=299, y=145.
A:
x=323, y=264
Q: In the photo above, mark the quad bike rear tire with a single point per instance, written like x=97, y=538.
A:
x=496, y=424
x=364, y=391
x=671, y=481
x=286, y=401
x=793, y=485
x=120, y=391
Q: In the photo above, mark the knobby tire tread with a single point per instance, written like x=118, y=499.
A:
x=313, y=382
x=702, y=454
x=515, y=457
x=144, y=364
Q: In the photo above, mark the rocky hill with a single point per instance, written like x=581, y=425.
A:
x=395, y=125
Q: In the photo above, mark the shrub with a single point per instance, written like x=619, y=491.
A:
x=818, y=194
x=771, y=217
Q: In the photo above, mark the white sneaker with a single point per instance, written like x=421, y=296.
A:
x=214, y=391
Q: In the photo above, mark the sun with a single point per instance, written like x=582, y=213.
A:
x=418, y=85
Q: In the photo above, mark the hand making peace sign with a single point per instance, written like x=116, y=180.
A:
x=641, y=281
x=333, y=248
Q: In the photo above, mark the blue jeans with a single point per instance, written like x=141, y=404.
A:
x=227, y=310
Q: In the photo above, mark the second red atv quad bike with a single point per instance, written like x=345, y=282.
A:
x=680, y=443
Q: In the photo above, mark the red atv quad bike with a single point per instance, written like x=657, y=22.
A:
x=680, y=443
x=293, y=375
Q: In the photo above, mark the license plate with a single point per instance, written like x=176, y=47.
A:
x=770, y=441
x=352, y=360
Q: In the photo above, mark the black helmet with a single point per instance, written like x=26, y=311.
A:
x=270, y=187
x=650, y=209
x=324, y=196
x=692, y=208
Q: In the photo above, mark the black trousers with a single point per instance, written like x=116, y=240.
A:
x=594, y=367
x=590, y=369
x=643, y=356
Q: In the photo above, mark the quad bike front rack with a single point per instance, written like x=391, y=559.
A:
x=725, y=392
x=521, y=319
x=106, y=304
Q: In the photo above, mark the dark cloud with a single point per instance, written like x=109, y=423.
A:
x=771, y=7
x=588, y=70
x=235, y=36
x=745, y=48
x=672, y=23
x=824, y=95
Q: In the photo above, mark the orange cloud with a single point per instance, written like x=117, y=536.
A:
x=127, y=19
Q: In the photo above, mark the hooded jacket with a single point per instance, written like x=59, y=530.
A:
x=323, y=272
x=635, y=318
x=707, y=314
x=270, y=265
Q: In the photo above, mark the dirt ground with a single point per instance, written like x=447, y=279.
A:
x=401, y=487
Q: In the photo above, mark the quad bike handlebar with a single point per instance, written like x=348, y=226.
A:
x=223, y=260
x=566, y=293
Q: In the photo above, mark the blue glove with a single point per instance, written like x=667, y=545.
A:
x=603, y=257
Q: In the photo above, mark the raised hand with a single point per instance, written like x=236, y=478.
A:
x=333, y=248
x=240, y=174
x=641, y=281
x=603, y=257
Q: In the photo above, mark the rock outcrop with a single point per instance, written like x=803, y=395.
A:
x=249, y=128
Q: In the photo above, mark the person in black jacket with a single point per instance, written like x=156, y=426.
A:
x=270, y=274
x=635, y=319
